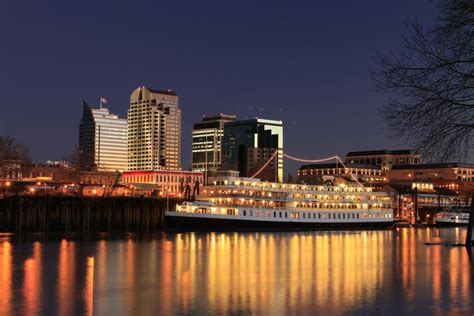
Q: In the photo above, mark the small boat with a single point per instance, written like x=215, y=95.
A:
x=456, y=216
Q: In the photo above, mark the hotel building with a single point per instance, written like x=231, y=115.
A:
x=102, y=140
x=248, y=144
x=207, y=139
x=154, y=130
x=385, y=159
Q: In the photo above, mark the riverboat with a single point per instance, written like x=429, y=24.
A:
x=232, y=203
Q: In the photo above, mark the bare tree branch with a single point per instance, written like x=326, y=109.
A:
x=430, y=81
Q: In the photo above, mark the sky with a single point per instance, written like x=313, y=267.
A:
x=305, y=62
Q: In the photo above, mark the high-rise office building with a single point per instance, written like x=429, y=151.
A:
x=154, y=130
x=248, y=144
x=102, y=140
x=207, y=139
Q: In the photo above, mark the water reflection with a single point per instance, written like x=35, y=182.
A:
x=308, y=272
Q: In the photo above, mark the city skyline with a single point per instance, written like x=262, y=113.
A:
x=237, y=66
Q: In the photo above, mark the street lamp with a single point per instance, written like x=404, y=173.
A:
x=7, y=184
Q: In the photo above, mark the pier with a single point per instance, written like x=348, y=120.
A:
x=53, y=213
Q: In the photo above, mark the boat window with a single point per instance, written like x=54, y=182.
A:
x=245, y=213
x=251, y=213
x=304, y=215
x=280, y=214
x=358, y=216
x=286, y=214
x=274, y=214
x=319, y=215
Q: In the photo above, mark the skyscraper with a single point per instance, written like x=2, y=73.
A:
x=207, y=138
x=102, y=140
x=248, y=144
x=154, y=130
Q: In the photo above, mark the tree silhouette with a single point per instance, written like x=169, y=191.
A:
x=431, y=83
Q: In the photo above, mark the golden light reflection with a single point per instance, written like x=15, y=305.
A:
x=66, y=277
x=89, y=287
x=6, y=278
x=32, y=282
x=242, y=273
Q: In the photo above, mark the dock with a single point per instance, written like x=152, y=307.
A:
x=56, y=213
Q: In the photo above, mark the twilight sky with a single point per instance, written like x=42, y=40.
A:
x=305, y=62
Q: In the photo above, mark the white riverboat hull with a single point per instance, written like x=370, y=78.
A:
x=213, y=222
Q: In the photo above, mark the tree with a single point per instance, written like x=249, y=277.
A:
x=431, y=83
x=78, y=163
x=13, y=155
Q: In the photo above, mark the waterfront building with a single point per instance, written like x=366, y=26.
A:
x=421, y=198
x=384, y=158
x=455, y=176
x=319, y=173
x=171, y=182
x=207, y=139
x=102, y=140
x=154, y=130
x=11, y=169
x=248, y=144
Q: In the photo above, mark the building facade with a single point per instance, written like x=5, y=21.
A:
x=154, y=130
x=384, y=158
x=207, y=140
x=318, y=173
x=170, y=182
x=102, y=140
x=249, y=144
x=455, y=176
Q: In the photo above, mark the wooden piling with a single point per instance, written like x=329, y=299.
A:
x=470, y=224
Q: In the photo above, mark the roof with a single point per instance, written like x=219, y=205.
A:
x=167, y=92
x=433, y=166
x=339, y=165
x=215, y=121
x=219, y=116
x=381, y=152
x=256, y=121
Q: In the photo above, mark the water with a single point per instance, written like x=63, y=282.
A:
x=357, y=272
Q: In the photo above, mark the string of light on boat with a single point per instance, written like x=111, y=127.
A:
x=306, y=161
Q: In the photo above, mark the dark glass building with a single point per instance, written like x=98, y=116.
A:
x=248, y=144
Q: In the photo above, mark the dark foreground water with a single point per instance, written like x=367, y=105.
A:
x=388, y=272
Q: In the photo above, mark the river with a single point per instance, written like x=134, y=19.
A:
x=338, y=272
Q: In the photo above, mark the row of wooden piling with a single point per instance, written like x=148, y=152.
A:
x=47, y=213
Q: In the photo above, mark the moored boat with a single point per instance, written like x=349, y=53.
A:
x=230, y=203
x=455, y=216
